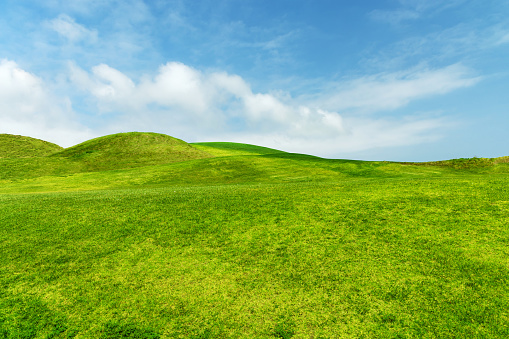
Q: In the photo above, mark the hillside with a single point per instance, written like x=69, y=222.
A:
x=17, y=146
x=128, y=150
x=366, y=256
x=220, y=149
x=141, y=235
x=140, y=159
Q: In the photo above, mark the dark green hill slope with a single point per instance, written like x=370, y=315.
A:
x=17, y=146
x=128, y=150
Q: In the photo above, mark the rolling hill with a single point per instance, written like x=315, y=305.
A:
x=17, y=146
x=233, y=148
x=127, y=150
x=141, y=235
x=153, y=159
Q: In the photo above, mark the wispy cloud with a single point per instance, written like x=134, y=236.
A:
x=76, y=6
x=395, y=16
x=470, y=43
x=357, y=135
x=72, y=31
x=503, y=38
x=412, y=10
x=389, y=91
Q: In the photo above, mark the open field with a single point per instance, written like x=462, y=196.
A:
x=238, y=241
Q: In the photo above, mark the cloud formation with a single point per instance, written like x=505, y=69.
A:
x=389, y=91
x=358, y=134
x=504, y=39
x=211, y=103
x=200, y=106
x=65, y=26
x=216, y=106
x=27, y=108
x=412, y=10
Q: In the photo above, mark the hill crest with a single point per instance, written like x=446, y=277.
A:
x=131, y=149
x=18, y=146
x=235, y=148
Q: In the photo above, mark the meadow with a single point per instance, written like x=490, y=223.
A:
x=143, y=236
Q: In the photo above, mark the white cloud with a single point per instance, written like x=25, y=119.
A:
x=198, y=106
x=233, y=84
x=194, y=105
x=16, y=85
x=177, y=85
x=265, y=106
x=111, y=85
x=72, y=31
x=357, y=135
x=388, y=91
x=212, y=103
x=27, y=108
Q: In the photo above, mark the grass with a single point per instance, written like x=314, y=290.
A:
x=127, y=150
x=464, y=163
x=111, y=152
x=232, y=148
x=270, y=245
x=17, y=146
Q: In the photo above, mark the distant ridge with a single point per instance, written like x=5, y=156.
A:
x=17, y=146
x=132, y=149
x=234, y=148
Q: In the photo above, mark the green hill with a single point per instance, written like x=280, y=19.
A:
x=17, y=146
x=141, y=235
x=221, y=149
x=128, y=150
x=158, y=159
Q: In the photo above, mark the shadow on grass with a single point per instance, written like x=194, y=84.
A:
x=113, y=330
x=30, y=318
x=284, y=329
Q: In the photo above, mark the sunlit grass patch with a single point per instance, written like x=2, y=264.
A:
x=353, y=258
x=17, y=146
x=234, y=149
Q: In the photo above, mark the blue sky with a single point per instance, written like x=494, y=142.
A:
x=402, y=80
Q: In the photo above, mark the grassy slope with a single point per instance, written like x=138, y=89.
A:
x=127, y=150
x=112, y=152
x=270, y=168
x=220, y=149
x=17, y=146
x=258, y=246
x=372, y=258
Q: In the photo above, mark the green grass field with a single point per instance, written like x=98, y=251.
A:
x=224, y=240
